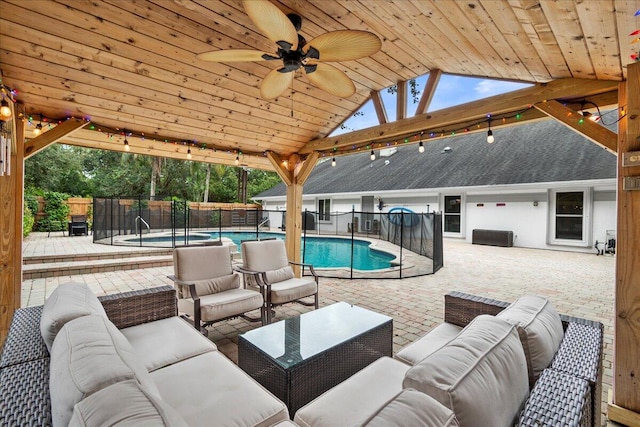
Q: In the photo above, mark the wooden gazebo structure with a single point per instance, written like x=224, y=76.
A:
x=95, y=73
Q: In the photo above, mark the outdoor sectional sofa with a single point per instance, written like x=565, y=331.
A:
x=490, y=363
x=124, y=359
x=199, y=386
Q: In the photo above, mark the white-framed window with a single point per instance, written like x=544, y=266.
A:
x=453, y=214
x=570, y=217
x=324, y=210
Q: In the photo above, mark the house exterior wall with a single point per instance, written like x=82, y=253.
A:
x=527, y=212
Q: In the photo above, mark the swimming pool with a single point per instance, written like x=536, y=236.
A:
x=321, y=252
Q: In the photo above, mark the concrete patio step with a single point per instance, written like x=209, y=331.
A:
x=91, y=266
x=47, y=259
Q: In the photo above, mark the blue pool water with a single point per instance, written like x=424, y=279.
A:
x=321, y=252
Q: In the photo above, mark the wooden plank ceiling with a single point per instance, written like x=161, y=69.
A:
x=130, y=66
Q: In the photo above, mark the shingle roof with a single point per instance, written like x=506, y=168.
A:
x=544, y=151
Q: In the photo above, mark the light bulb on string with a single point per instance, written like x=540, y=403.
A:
x=126, y=144
x=490, y=138
x=333, y=162
x=420, y=144
x=189, y=153
x=373, y=155
x=5, y=110
x=237, y=161
x=38, y=130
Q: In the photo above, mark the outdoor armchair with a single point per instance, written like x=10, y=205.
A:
x=267, y=268
x=207, y=288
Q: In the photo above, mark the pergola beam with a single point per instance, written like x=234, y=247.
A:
x=429, y=90
x=52, y=136
x=378, y=105
x=495, y=105
x=575, y=121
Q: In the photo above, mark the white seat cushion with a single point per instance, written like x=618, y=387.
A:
x=357, y=399
x=67, y=302
x=223, y=304
x=166, y=341
x=211, y=389
x=540, y=330
x=89, y=354
x=435, y=339
x=411, y=408
x=292, y=289
x=124, y=404
x=481, y=375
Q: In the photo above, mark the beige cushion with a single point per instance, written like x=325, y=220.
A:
x=292, y=289
x=203, y=265
x=89, y=354
x=209, y=389
x=166, y=341
x=67, y=302
x=540, y=330
x=436, y=338
x=265, y=255
x=124, y=404
x=280, y=275
x=481, y=375
x=357, y=399
x=412, y=408
x=223, y=304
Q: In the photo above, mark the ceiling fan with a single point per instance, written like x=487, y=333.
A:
x=295, y=53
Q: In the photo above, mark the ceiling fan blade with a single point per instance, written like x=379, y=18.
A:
x=275, y=83
x=232, y=55
x=271, y=21
x=330, y=79
x=345, y=45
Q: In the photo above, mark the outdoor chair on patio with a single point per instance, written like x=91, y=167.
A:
x=208, y=290
x=267, y=268
x=78, y=225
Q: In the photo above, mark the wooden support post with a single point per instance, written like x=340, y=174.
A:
x=294, y=173
x=11, y=199
x=626, y=363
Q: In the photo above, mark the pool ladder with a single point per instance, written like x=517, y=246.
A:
x=140, y=219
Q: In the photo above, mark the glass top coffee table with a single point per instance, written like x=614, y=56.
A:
x=298, y=359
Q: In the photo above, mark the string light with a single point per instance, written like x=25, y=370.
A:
x=333, y=162
x=5, y=111
x=490, y=137
x=127, y=147
x=38, y=130
x=373, y=155
x=189, y=153
x=420, y=144
x=237, y=161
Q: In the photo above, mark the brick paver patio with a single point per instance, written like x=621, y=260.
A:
x=578, y=284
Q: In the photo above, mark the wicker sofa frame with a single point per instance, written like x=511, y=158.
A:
x=24, y=361
x=570, y=390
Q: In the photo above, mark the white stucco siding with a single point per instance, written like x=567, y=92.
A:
x=528, y=222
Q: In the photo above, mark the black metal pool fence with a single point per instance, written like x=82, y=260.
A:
x=414, y=238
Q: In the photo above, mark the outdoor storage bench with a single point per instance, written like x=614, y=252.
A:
x=124, y=357
x=489, y=363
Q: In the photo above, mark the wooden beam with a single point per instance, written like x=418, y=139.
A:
x=52, y=136
x=575, y=121
x=285, y=174
x=307, y=166
x=149, y=147
x=495, y=105
x=621, y=415
x=429, y=90
x=11, y=200
x=401, y=98
x=293, y=232
x=626, y=363
x=378, y=105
